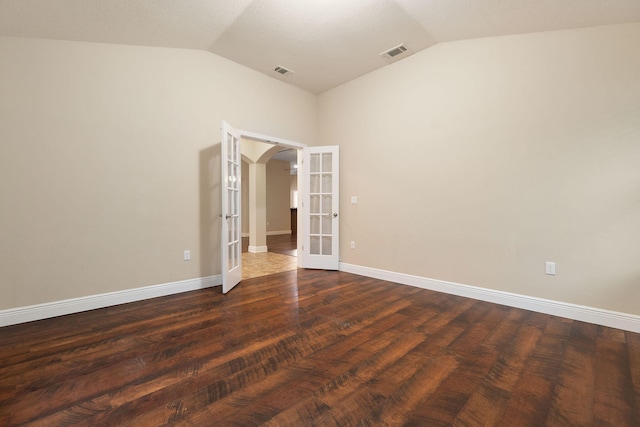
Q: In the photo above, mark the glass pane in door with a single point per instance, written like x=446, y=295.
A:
x=326, y=245
x=315, y=224
x=326, y=224
x=326, y=204
x=326, y=162
x=314, y=245
x=315, y=184
x=314, y=166
x=315, y=205
x=326, y=182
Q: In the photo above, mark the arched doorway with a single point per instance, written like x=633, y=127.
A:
x=269, y=239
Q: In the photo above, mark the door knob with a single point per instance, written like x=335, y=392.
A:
x=335, y=214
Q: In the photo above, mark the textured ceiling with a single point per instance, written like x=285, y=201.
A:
x=326, y=42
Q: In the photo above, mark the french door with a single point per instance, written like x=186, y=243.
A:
x=320, y=207
x=319, y=211
x=231, y=246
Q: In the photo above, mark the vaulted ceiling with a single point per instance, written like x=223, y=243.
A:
x=324, y=42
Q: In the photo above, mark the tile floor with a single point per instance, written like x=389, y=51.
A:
x=256, y=265
x=280, y=258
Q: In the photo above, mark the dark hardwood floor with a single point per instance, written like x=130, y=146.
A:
x=284, y=244
x=309, y=347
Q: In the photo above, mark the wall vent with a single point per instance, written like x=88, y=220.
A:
x=394, y=51
x=282, y=70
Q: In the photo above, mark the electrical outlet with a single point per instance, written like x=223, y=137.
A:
x=353, y=244
x=550, y=268
x=187, y=255
x=354, y=200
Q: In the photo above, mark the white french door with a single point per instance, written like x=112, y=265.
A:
x=231, y=245
x=320, y=207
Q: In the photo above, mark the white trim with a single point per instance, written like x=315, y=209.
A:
x=598, y=316
x=278, y=232
x=270, y=139
x=13, y=316
x=257, y=249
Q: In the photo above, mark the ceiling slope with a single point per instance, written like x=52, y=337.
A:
x=324, y=42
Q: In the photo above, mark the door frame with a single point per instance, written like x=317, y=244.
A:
x=298, y=146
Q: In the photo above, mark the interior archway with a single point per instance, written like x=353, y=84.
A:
x=269, y=241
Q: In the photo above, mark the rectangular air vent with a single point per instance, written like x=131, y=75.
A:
x=394, y=51
x=282, y=70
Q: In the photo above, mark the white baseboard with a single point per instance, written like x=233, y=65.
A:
x=598, y=316
x=257, y=249
x=271, y=233
x=13, y=316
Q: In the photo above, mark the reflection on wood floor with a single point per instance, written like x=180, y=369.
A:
x=281, y=257
x=317, y=348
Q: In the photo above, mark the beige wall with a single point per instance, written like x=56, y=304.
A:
x=477, y=161
x=277, y=195
x=473, y=162
x=109, y=162
x=278, y=188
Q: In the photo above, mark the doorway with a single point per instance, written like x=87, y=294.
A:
x=280, y=206
x=317, y=241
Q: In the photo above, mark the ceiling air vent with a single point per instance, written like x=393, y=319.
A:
x=282, y=70
x=394, y=51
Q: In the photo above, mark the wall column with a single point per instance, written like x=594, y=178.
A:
x=257, y=207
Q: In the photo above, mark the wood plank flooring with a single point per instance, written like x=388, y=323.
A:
x=317, y=348
x=284, y=244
